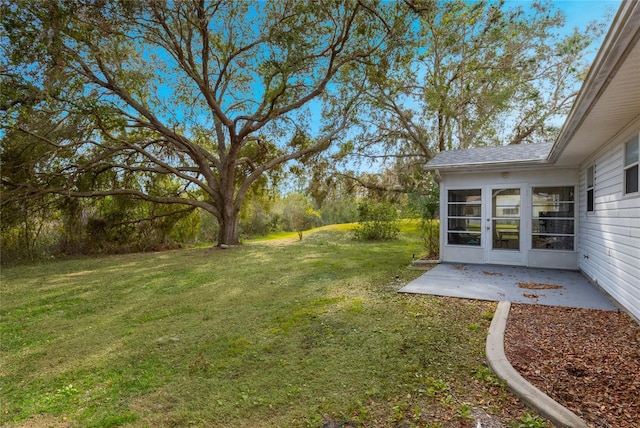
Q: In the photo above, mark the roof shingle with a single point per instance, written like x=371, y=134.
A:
x=487, y=156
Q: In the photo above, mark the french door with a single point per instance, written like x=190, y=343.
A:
x=503, y=225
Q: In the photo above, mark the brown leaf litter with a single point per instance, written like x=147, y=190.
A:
x=538, y=286
x=588, y=360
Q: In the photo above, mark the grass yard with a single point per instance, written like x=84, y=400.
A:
x=282, y=333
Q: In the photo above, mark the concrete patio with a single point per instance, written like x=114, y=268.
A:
x=515, y=284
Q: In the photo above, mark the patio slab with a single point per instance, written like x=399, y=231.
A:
x=515, y=284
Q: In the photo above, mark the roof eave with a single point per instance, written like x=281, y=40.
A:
x=618, y=43
x=485, y=166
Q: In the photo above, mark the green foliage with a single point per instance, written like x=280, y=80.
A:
x=185, y=228
x=465, y=411
x=332, y=194
x=479, y=73
x=118, y=420
x=28, y=231
x=428, y=207
x=485, y=375
x=114, y=224
x=529, y=421
x=83, y=115
x=430, y=234
x=122, y=224
x=264, y=215
x=339, y=210
x=256, y=218
x=298, y=214
x=377, y=221
x=208, y=228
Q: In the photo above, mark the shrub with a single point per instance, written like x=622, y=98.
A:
x=377, y=221
x=429, y=225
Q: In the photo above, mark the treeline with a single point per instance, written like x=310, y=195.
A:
x=55, y=226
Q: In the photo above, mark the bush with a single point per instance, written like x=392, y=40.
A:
x=429, y=225
x=208, y=227
x=377, y=221
x=430, y=236
x=255, y=218
x=339, y=210
x=298, y=215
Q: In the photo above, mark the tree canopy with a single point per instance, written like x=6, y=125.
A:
x=199, y=103
x=213, y=95
x=480, y=73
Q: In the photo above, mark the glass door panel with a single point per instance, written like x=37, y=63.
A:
x=505, y=219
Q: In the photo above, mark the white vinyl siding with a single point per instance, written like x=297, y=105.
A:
x=609, y=237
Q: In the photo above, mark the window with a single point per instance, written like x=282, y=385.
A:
x=590, y=186
x=631, y=173
x=553, y=218
x=464, y=215
x=511, y=211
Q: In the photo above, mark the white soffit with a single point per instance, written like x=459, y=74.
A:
x=617, y=108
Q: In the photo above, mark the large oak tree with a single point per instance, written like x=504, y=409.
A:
x=213, y=94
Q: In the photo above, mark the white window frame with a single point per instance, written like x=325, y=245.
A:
x=591, y=188
x=467, y=238
x=631, y=164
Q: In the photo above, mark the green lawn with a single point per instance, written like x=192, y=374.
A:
x=274, y=333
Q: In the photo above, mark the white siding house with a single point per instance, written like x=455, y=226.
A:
x=572, y=204
x=609, y=230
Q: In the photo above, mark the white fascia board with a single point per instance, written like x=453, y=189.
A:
x=620, y=40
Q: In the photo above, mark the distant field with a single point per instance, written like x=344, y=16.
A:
x=287, y=235
x=281, y=333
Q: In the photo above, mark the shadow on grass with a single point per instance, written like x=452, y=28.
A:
x=257, y=335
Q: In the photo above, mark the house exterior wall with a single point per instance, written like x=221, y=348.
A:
x=609, y=236
x=525, y=180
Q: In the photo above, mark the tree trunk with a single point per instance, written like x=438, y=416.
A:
x=228, y=232
x=441, y=132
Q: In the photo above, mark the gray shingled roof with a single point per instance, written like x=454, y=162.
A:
x=488, y=156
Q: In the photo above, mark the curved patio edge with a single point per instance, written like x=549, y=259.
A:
x=529, y=394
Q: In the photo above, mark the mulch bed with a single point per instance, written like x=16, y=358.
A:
x=587, y=360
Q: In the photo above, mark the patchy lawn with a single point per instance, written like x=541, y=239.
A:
x=308, y=333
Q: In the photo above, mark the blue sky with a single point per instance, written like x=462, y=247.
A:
x=580, y=13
